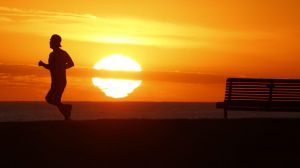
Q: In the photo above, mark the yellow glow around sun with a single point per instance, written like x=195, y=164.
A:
x=117, y=88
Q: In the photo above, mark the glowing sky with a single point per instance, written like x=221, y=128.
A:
x=174, y=41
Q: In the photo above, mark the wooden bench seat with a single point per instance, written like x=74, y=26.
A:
x=248, y=94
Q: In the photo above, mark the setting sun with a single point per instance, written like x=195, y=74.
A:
x=117, y=88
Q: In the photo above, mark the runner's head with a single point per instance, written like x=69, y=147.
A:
x=55, y=41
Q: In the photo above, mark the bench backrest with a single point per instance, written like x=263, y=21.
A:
x=247, y=89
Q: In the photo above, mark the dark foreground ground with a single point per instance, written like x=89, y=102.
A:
x=151, y=143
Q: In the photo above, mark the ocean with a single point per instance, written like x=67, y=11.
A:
x=41, y=111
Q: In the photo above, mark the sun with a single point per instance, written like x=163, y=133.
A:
x=117, y=88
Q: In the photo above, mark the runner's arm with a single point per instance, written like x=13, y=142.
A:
x=69, y=62
x=41, y=63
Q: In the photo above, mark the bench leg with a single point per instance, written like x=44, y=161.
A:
x=225, y=113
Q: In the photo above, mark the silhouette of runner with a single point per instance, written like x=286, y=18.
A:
x=59, y=61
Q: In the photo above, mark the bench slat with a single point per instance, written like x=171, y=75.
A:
x=286, y=91
x=248, y=86
x=250, y=92
x=265, y=86
x=262, y=80
x=263, y=94
x=264, y=103
x=265, y=83
x=259, y=89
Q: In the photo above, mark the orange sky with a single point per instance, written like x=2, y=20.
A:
x=186, y=48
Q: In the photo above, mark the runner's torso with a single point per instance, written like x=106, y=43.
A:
x=57, y=63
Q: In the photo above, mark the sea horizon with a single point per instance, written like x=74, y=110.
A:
x=22, y=111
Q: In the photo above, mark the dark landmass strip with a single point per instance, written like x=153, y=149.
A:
x=151, y=143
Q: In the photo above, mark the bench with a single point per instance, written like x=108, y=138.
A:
x=248, y=94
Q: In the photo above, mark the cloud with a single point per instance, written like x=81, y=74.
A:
x=134, y=31
x=5, y=19
x=22, y=76
x=43, y=14
x=14, y=74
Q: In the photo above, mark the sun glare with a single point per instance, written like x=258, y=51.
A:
x=118, y=62
x=117, y=88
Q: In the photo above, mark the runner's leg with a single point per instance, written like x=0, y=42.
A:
x=65, y=109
